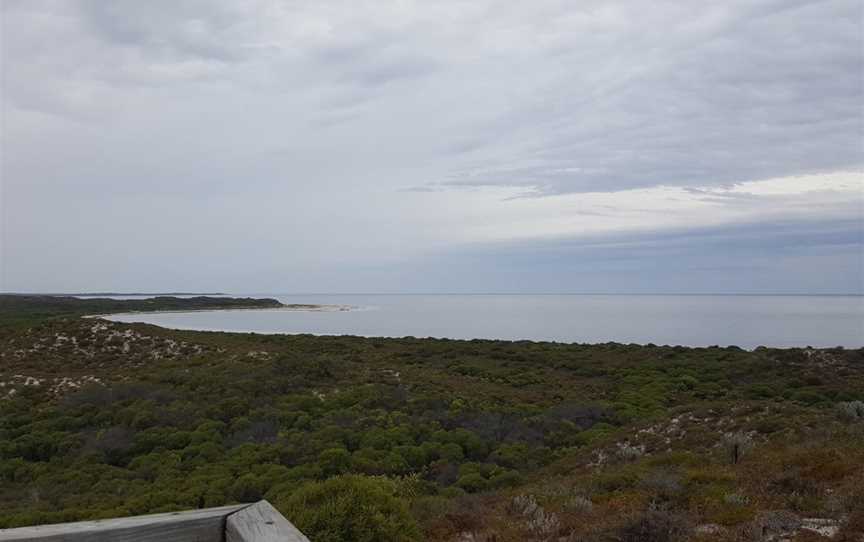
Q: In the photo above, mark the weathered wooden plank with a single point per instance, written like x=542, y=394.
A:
x=261, y=523
x=207, y=525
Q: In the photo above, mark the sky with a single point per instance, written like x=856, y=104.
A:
x=398, y=146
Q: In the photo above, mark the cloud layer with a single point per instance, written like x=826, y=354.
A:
x=346, y=145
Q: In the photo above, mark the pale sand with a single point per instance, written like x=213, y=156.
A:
x=286, y=308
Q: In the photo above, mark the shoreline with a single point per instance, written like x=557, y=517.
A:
x=729, y=347
x=284, y=308
x=355, y=327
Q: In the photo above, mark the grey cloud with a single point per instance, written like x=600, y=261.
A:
x=392, y=70
x=793, y=257
x=374, y=62
x=298, y=134
x=190, y=28
x=764, y=96
x=810, y=258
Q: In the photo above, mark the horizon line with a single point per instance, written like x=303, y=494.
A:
x=226, y=293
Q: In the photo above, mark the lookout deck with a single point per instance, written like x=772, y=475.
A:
x=257, y=522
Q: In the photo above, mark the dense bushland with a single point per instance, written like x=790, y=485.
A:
x=403, y=439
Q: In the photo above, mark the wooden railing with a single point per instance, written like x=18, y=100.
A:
x=258, y=522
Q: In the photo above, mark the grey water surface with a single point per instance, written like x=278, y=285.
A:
x=692, y=320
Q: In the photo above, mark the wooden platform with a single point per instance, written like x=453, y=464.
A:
x=258, y=522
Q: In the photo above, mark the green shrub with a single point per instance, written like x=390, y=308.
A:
x=248, y=488
x=514, y=456
x=350, y=507
x=472, y=482
x=655, y=525
x=334, y=461
x=808, y=397
x=760, y=391
x=507, y=478
x=451, y=452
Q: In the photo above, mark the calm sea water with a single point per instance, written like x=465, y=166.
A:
x=691, y=320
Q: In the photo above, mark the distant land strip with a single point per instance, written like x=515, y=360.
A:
x=24, y=309
x=102, y=294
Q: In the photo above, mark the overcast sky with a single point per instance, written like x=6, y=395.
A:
x=447, y=146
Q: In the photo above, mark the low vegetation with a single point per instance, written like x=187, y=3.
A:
x=27, y=309
x=422, y=439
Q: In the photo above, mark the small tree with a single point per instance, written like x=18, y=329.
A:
x=738, y=444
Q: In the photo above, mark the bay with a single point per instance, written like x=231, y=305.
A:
x=689, y=320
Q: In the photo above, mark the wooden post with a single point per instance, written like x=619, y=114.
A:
x=236, y=523
x=261, y=523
